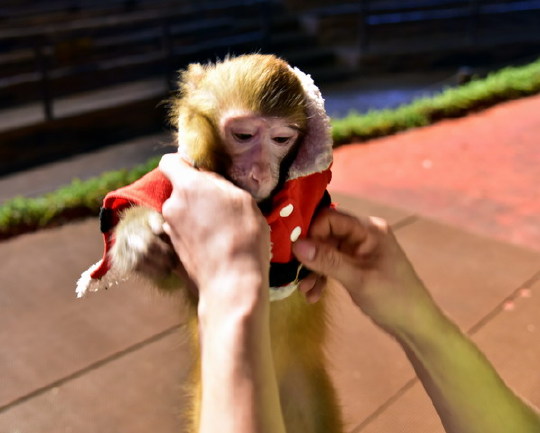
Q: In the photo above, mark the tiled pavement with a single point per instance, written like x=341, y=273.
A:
x=115, y=362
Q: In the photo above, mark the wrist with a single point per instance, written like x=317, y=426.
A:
x=239, y=387
x=425, y=325
x=233, y=321
x=238, y=294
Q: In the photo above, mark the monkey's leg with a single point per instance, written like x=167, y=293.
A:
x=141, y=247
x=192, y=412
x=308, y=399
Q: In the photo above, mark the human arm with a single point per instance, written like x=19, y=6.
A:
x=365, y=257
x=224, y=244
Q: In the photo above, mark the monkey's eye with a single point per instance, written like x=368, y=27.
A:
x=242, y=137
x=281, y=140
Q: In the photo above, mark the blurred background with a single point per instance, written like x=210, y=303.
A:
x=78, y=75
x=83, y=90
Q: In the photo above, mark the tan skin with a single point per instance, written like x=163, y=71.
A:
x=239, y=387
x=228, y=268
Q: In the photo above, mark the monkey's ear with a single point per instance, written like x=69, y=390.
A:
x=200, y=143
x=192, y=77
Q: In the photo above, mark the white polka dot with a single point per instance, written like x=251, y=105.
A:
x=295, y=234
x=286, y=211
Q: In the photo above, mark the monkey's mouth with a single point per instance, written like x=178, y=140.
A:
x=258, y=191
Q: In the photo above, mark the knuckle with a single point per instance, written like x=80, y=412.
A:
x=167, y=209
x=172, y=209
x=243, y=198
x=379, y=225
x=330, y=259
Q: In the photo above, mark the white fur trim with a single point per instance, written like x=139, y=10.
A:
x=279, y=293
x=282, y=292
x=88, y=284
x=315, y=154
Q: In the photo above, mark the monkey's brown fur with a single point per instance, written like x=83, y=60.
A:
x=256, y=84
x=262, y=85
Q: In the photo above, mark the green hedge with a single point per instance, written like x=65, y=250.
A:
x=83, y=198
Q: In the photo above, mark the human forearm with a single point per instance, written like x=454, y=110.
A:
x=223, y=241
x=465, y=389
x=363, y=255
x=239, y=390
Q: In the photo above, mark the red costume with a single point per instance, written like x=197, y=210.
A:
x=292, y=207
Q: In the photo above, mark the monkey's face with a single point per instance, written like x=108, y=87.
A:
x=257, y=145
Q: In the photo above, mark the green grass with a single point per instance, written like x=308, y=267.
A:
x=83, y=198
x=78, y=199
x=506, y=84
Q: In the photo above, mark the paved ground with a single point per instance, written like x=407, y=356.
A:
x=481, y=173
x=116, y=361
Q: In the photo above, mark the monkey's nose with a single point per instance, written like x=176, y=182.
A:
x=257, y=174
x=255, y=178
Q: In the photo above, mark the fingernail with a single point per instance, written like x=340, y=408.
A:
x=304, y=250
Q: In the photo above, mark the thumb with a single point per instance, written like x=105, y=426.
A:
x=321, y=258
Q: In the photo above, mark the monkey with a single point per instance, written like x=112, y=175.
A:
x=261, y=124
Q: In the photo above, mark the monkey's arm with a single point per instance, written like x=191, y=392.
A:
x=141, y=247
x=469, y=395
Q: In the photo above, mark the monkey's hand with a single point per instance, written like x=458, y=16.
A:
x=142, y=247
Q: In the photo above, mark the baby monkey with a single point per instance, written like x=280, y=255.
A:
x=242, y=118
x=261, y=124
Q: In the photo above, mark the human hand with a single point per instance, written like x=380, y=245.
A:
x=364, y=256
x=216, y=228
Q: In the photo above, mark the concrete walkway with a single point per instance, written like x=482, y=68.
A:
x=116, y=361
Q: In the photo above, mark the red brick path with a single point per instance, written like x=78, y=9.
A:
x=481, y=173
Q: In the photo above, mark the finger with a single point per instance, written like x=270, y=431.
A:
x=173, y=210
x=338, y=227
x=168, y=229
x=356, y=237
x=377, y=229
x=314, y=294
x=177, y=169
x=307, y=283
x=322, y=258
x=184, y=176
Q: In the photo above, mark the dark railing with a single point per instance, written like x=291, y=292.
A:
x=146, y=38
x=375, y=13
x=113, y=47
